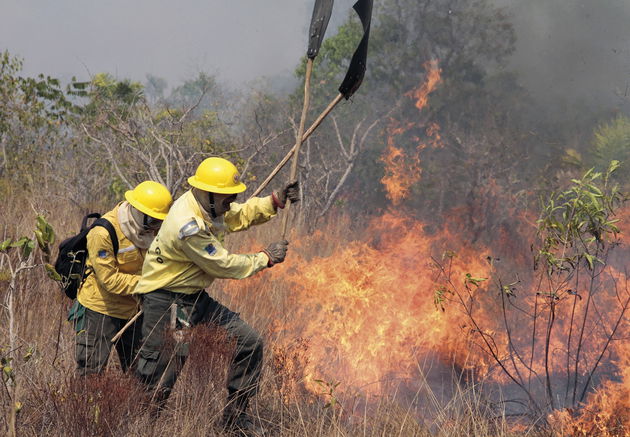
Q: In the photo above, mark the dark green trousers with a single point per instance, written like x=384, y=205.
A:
x=162, y=356
x=93, y=340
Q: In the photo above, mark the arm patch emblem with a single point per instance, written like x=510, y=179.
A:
x=210, y=249
x=102, y=253
x=188, y=230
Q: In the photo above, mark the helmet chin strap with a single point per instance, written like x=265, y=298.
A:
x=213, y=211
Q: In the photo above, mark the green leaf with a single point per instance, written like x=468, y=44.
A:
x=52, y=273
x=596, y=190
x=475, y=281
x=614, y=165
x=5, y=245
x=19, y=243
x=28, y=248
x=46, y=231
x=40, y=240
x=28, y=355
x=41, y=222
x=589, y=259
x=439, y=297
x=508, y=290
x=7, y=373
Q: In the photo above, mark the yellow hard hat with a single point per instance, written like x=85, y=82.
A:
x=151, y=198
x=217, y=175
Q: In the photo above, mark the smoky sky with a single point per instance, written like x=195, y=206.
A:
x=238, y=40
x=567, y=50
x=573, y=51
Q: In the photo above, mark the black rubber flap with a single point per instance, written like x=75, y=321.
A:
x=356, y=71
x=319, y=23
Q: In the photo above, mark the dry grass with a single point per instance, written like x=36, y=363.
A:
x=56, y=403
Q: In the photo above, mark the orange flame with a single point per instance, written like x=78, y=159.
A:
x=371, y=309
x=433, y=132
x=607, y=412
x=433, y=78
x=402, y=170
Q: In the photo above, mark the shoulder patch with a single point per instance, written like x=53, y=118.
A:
x=102, y=254
x=210, y=249
x=189, y=229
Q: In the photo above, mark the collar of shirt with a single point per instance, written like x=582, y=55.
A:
x=132, y=229
x=216, y=225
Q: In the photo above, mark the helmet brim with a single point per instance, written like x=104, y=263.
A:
x=238, y=188
x=129, y=196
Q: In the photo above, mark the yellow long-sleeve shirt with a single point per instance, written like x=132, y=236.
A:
x=107, y=290
x=187, y=254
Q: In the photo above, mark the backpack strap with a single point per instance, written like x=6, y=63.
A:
x=104, y=223
x=84, y=225
x=112, y=232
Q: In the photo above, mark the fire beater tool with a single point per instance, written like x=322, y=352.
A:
x=319, y=21
x=351, y=83
x=119, y=334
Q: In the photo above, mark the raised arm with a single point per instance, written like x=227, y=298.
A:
x=208, y=253
x=255, y=211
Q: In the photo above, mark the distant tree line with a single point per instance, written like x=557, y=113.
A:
x=92, y=140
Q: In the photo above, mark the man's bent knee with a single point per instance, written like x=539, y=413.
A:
x=90, y=358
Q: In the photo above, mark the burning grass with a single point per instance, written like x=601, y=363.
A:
x=356, y=345
x=390, y=326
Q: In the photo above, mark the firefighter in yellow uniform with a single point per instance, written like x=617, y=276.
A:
x=186, y=256
x=104, y=301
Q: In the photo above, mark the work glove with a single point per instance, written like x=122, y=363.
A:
x=276, y=252
x=290, y=191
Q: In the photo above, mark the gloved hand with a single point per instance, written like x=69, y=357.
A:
x=276, y=252
x=290, y=191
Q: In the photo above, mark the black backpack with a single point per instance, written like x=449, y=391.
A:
x=70, y=263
